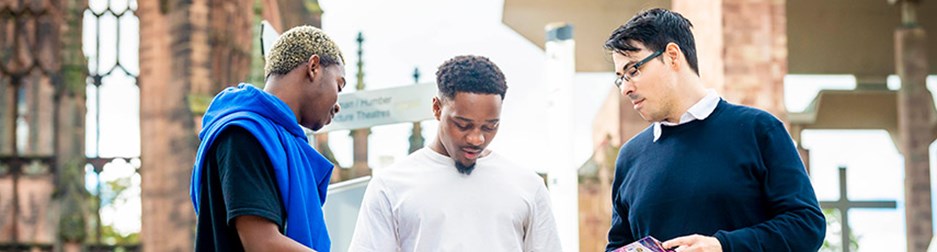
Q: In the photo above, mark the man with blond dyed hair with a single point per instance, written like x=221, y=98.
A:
x=256, y=183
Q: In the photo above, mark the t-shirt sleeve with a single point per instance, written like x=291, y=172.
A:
x=376, y=229
x=248, y=183
x=541, y=230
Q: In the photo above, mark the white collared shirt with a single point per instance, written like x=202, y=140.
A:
x=699, y=111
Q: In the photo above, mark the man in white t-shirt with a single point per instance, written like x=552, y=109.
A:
x=455, y=195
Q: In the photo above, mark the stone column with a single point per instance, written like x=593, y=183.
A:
x=167, y=31
x=706, y=17
x=231, y=38
x=742, y=48
x=221, y=42
x=189, y=51
x=71, y=197
x=285, y=14
x=360, y=136
x=916, y=122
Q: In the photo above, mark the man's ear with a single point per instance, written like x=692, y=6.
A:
x=312, y=66
x=437, y=107
x=672, y=52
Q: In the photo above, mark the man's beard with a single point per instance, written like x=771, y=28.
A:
x=464, y=169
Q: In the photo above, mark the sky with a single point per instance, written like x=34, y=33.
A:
x=403, y=35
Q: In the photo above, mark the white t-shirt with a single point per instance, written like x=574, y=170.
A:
x=423, y=203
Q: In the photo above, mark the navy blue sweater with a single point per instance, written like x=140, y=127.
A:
x=735, y=175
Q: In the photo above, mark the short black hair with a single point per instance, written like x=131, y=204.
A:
x=655, y=28
x=470, y=73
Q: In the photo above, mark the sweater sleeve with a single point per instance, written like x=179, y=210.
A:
x=619, y=234
x=798, y=224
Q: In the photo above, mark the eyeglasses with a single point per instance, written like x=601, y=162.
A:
x=634, y=71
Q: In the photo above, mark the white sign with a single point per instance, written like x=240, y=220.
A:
x=268, y=35
x=341, y=210
x=362, y=109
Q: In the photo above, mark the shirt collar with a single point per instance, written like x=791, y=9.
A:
x=699, y=111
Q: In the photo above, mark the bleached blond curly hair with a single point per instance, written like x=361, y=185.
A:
x=295, y=46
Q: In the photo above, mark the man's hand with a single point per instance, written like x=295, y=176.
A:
x=694, y=243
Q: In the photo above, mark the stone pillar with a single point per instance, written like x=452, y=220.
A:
x=230, y=39
x=416, y=133
x=191, y=51
x=167, y=31
x=706, y=17
x=71, y=197
x=360, y=136
x=746, y=64
x=416, y=138
x=285, y=14
x=562, y=182
x=755, y=34
x=223, y=57
x=916, y=122
x=796, y=131
x=271, y=13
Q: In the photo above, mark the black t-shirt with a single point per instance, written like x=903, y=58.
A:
x=237, y=180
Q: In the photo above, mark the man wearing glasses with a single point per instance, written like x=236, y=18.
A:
x=708, y=175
